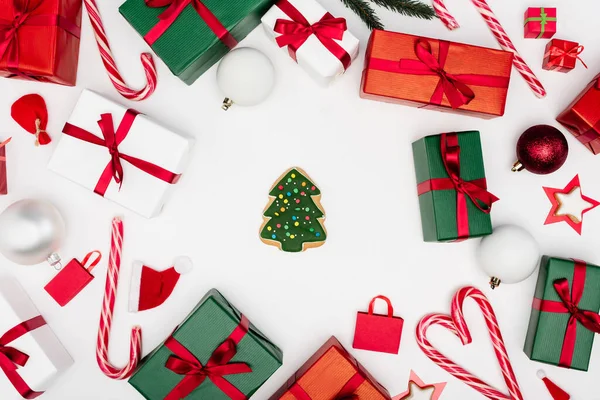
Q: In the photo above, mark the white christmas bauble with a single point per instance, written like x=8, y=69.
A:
x=31, y=231
x=509, y=255
x=246, y=76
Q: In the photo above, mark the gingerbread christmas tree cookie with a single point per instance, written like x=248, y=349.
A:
x=294, y=216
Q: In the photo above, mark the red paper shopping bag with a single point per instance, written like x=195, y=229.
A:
x=72, y=279
x=377, y=332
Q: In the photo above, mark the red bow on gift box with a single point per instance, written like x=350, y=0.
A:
x=25, y=15
x=10, y=357
x=183, y=362
x=296, y=31
x=174, y=10
x=112, y=140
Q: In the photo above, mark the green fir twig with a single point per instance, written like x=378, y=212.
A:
x=365, y=12
x=410, y=8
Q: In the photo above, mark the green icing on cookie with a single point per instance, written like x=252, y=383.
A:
x=292, y=217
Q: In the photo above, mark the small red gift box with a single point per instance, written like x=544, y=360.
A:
x=377, y=332
x=540, y=22
x=72, y=279
x=40, y=40
x=562, y=55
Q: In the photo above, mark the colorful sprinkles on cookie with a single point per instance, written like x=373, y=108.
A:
x=292, y=219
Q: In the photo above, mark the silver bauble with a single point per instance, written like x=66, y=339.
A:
x=31, y=231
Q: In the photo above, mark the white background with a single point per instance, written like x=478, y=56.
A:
x=359, y=153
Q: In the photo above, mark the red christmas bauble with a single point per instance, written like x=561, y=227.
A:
x=541, y=149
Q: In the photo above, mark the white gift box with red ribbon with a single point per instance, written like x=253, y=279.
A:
x=324, y=44
x=46, y=358
x=149, y=157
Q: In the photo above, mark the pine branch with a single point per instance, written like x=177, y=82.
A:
x=411, y=8
x=365, y=12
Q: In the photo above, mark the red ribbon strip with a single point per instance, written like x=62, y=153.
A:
x=24, y=15
x=183, y=362
x=296, y=31
x=569, y=303
x=475, y=190
x=557, y=55
x=346, y=393
x=454, y=86
x=174, y=10
x=112, y=140
x=11, y=358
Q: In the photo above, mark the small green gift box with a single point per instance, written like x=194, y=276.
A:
x=452, y=188
x=216, y=353
x=190, y=36
x=564, y=314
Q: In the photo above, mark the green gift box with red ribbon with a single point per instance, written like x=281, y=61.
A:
x=452, y=188
x=564, y=316
x=190, y=36
x=216, y=353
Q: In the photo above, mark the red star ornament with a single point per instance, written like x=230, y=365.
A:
x=555, y=214
x=418, y=390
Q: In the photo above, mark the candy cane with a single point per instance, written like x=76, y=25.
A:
x=108, y=306
x=457, y=325
x=501, y=37
x=109, y=61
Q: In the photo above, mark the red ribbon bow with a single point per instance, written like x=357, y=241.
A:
x=24, y=15
x=456, y=90
x=112, y=140
x=11, y=358
x=557, y=55
x=475, y=190
x=174, y=10
x=296, y=31
x=570, y=298
x=183, y=362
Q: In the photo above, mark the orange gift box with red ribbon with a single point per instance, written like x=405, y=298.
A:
x=436, y=74
x=332, y=374
x=39, y=40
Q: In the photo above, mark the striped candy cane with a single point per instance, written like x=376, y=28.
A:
x=108, y=306
x=457, y=325
x=501, y=37
x=109, y=61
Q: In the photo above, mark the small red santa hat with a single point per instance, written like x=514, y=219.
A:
x=151, y=288
x=556, y=392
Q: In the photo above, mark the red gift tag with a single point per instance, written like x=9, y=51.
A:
x=377, y=332
x=72, y=279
